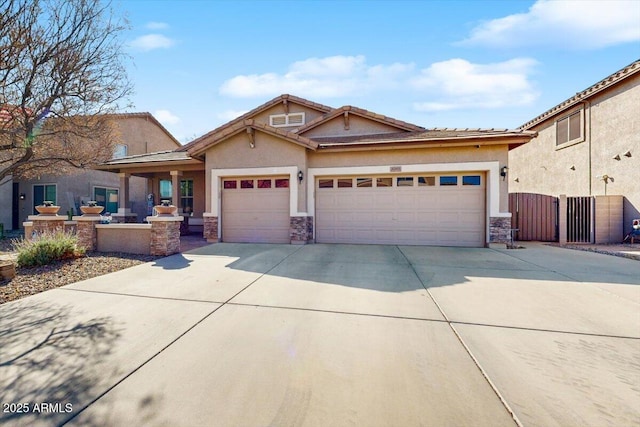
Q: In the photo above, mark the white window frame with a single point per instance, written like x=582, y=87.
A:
x=287, y=121
x=118, y=146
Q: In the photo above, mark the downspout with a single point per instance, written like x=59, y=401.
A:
x=587, y=104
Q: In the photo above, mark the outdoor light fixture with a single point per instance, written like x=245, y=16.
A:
x=627, y=154
x=503, y=172
x=617, y=157
x=300, y=176
x=572, y=168
x=23, y=196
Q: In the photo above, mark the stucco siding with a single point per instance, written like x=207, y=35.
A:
x=6, y=195
x=611, y=128
x=309, y=113
x=141, y=136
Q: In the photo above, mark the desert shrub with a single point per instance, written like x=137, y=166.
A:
x=46, y=248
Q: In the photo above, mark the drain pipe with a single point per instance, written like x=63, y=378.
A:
x=585, y=105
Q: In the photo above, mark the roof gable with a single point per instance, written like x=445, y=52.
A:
x=249, y=126
x=346, y=112
x=285, y=100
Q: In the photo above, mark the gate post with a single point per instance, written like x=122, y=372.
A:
x=562, y=219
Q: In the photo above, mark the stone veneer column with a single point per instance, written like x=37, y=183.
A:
x=500, y=229
x=86, y=231
x=46, y=223
x=165, y=234
x=210, y=230
x=301, y=229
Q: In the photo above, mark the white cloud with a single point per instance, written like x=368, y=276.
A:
x=229, y=115
x=152, y=41
x=460, y=84
x=166, y=117
x=573, y=24
x=328, y=77
x=157, y=25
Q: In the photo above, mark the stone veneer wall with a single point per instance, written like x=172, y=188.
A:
x=165, y=237
x=210, y=229
x=500, y=230
x=87, y=234
x=301, y=229
x=47, y=225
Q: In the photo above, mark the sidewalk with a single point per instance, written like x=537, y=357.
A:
x=625, y=250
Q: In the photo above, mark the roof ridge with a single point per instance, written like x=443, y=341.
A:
x=605, y=83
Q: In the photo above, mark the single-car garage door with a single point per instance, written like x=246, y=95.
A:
x=255, y=210
x=422, y=209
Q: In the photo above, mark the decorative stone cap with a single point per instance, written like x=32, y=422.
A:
x=46, y=217
x=165, y=218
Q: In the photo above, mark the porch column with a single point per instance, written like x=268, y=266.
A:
x=175, y=187
x=124, y=205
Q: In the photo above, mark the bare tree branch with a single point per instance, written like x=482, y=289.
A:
x=62, y=72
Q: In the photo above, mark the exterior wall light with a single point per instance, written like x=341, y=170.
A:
x=627, y=154
x=617, y=157
x=503, y=172
x=300, y=176
x=22, y=196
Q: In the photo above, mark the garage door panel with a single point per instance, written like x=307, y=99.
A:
x=255, y=215
x=429, y=215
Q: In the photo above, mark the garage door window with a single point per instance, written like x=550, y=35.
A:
x=364, y=182
x=345, y=183
x=264, y=183
x=404, y=181
x=426, y=181
x=471, y=180
x=230, y=184
x=246, y=183
x=282, y=183
x=384, y=182
x=448, y=180
x=325, y=183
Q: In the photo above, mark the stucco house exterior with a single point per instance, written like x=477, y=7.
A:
x=295, y=171
x=139, y=132
x=588, y=145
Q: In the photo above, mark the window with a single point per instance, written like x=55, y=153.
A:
x=186, y=195
x=384, y=182
x=325, y=183
x=166, y=189
x=471, y=180
x=448, y=180
x=107, y=197
x=364, y=182
x=43, y=192
x=426, y=181
x=282, y=120
x=230, y=184
x=246, y=183
x=569, y=129
x=282, y=183
x=404, y=181
x=264, y=183
x=120, y=151
x=345, y=183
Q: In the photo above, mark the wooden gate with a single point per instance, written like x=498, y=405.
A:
x=535, y=216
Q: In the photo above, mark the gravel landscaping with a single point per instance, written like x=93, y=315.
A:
x=29, y=281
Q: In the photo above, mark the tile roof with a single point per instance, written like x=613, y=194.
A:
x=603, y=84
x=238, y=126
x=314, y=105
x=360, y=112
x=427, y=135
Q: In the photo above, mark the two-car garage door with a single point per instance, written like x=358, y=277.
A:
x=442, y=210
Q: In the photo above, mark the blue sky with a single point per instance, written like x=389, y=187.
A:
x=198, y=64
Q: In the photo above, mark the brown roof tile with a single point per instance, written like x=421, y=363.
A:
x=360, y=112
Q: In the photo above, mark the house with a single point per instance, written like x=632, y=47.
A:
x=140, y=133
x=295, y=171
x=588, y=145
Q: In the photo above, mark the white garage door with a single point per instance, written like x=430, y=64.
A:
x=439, y=210
x=255, y=210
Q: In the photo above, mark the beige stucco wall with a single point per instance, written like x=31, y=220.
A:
x=357, y=126
x=6, y=200
x=128, y=238
x=612, y=127
x=141, y=135
x=269, y=151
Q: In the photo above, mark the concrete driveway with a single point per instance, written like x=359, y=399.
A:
x=255, y=335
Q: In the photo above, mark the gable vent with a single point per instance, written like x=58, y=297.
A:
x=282, y=120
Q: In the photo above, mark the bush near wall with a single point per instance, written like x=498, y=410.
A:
x=46, y=248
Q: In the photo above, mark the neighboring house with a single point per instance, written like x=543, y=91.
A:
x=587, y=145
x=294, y=171
x=139, y=132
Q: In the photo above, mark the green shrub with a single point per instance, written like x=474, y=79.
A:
x=46, y=248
